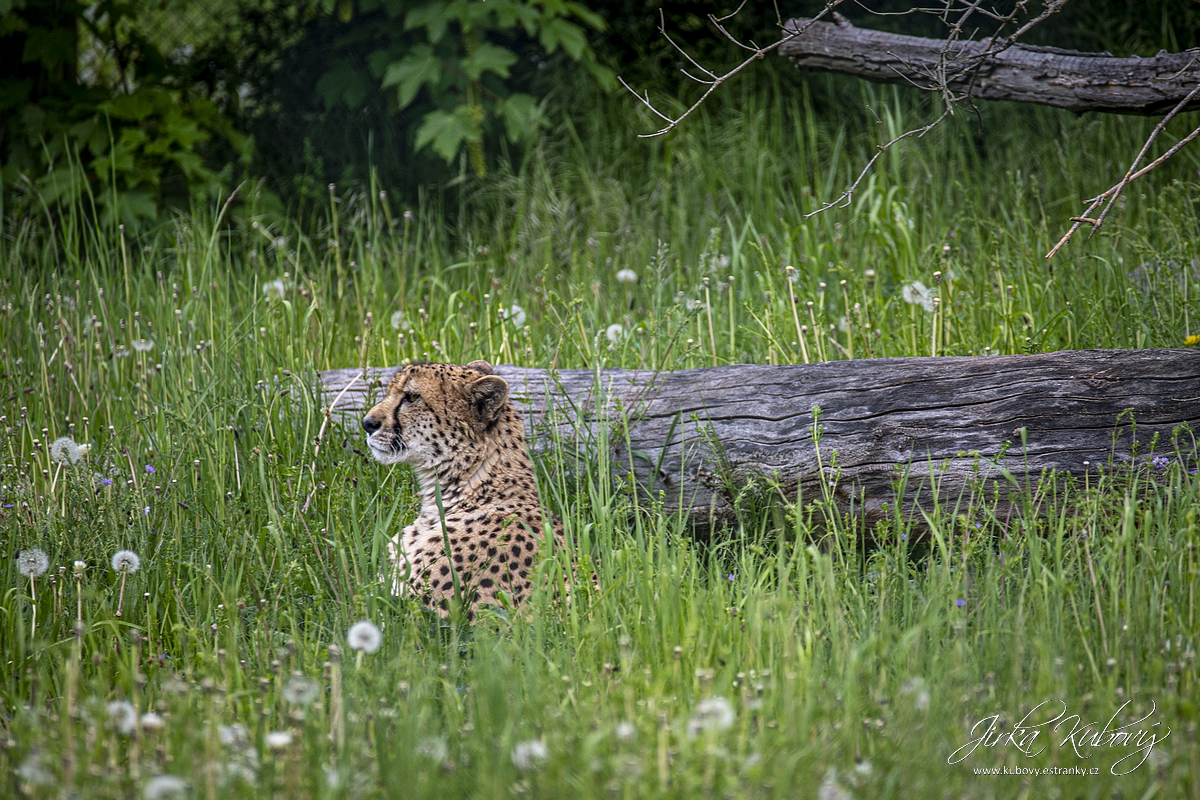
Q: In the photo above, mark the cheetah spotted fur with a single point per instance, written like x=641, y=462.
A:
x=458, y=430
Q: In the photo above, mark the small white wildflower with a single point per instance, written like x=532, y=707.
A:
x=517, y=315
x=64, y=450
x=434, y=748
x=397, y=319
x=626, y=276
x=917, y=294
x=121, y=351
x=161, y=787
x=916, y=688
x=625, y=731
x=33, y=773
x=32, y=562
x=274, y=290
x=864, y=768
x=364, y=636
x=713, y=714
x=615, y=332
x=277, y=740
x=529, y=755
x=126, y=561
x=921, y=703
x=143, y=345
x=153, y=722
x=830, y=789
x=300, y=691
x=332, y=779
x=122, y=716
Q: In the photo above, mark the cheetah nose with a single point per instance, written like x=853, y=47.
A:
x=370, y=425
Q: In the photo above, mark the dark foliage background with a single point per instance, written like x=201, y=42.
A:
x=175, y=100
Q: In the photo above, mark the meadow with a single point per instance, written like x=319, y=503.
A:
x=777, y=659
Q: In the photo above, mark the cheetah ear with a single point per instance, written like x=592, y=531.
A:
x=486, y=396
x=481, y=366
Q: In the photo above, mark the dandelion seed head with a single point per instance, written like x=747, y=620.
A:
x=625, y=731
x=33, y=773
x=300, y=691
x=153, y=722
x=434, y=748
x=517, y=315
x=713, y=714
x=161, y=787
x=397, y=319
x=918, y=294
x=122, y=716
x=615, y=332
x=143, y=345
x=626, y=276
x=364, y=636
x=126, y=561
x=276, y=289
x=234, y=735
x=277, y=740
x=64, y=450
x=33, y=562
x=831, y=789
x=530, y=755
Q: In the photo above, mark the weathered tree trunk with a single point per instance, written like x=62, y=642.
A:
x=1028, y=74
x=705, y=436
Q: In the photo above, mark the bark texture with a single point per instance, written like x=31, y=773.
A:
x=711, y=439
x=1024, y=73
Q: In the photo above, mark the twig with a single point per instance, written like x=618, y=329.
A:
x=1131, y=175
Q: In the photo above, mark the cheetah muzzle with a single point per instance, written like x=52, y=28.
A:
x=457, y=429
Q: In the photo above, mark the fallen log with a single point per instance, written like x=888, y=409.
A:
x=1024, y=73
x=944, y=425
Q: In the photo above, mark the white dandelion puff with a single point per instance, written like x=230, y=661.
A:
x=529, y=755
x=625, y=731
x=917, y=294
x=713, y=714
x=153, y=722
x=274, y=290
x=234, y=735
x=33, y=562
x=121, y=351
x=615, y=332
x=122, y=716
x=830, y=789
x=33, y=773
x=364, y=636
x=517, y=315
x=126, y=562
x=434, y=748
x=626, y=276
x=143, y=345
x=397, y=319
x=161, y=787
x=300, y=691
x=64, y=450
x=277, y=740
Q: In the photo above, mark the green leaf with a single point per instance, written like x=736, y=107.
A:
x=489, y=58
x=344, y=83
x=432, y=17
x=417, y=68
x=50, y=46
x=603, y=75
x=561, y=32
x=14, y=92
x=447, y=131
x=522, y=117
x=588, y=16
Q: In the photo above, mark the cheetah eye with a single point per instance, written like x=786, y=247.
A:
x=408, y=398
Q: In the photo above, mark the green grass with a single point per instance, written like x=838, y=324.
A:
x=846, y=669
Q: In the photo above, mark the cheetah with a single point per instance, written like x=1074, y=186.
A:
x=460, y=433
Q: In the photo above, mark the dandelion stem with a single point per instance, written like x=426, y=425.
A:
x=33, y=603
x=121, y=598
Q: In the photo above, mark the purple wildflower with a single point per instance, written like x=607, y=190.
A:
x=960, y=602
x=151, y=469
x=106, y=482
x=731, y=576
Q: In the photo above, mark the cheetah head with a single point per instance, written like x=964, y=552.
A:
x=432, y=412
